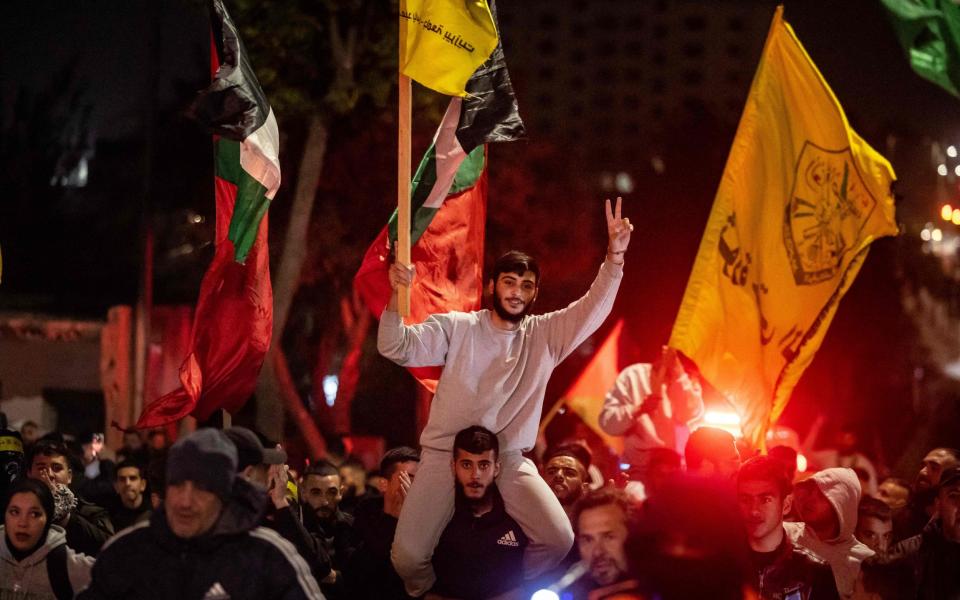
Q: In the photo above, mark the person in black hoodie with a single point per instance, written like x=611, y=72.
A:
x=781, y=570
x=205, y=542
x=370, y=574
x=480, y=553
x=321, y=490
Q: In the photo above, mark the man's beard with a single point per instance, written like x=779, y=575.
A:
x=474, y=501
x=507, y=315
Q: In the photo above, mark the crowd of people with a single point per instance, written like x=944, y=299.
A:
x=480, y=510
x=220, y=514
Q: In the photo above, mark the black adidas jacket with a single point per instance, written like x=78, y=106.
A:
x=236, y=560
x=479, y=557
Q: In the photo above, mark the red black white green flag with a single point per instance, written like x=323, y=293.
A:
x=234, y=316
x=448, y=199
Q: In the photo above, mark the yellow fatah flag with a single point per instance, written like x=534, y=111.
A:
x=801, y=199
x=444, y=41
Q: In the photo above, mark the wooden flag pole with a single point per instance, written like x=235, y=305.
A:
x=403, y=170
x=403, y=190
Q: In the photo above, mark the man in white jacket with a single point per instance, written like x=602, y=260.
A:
x=652, y=406
x=496, y=367
x=827, y=504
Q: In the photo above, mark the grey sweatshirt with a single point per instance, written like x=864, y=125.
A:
x=492, y=377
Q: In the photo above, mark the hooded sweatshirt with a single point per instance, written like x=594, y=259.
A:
x=843, y=553
x=27, y=579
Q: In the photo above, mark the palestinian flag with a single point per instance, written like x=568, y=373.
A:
x=448, y=204
x=234, y=317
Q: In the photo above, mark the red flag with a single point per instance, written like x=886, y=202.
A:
x=231, y=330
x=585, y=396
x=234, y=318
x=449, y=262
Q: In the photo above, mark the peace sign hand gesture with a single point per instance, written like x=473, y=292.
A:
x=618, y=230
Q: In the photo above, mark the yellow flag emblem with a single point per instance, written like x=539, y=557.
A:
x=444, y=41
x=801, y=199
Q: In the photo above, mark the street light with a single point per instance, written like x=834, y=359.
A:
x=946, y=212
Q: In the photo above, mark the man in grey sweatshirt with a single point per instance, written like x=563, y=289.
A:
x=496, y=367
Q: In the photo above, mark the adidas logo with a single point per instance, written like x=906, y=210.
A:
x=508, y=539
x=216, y=592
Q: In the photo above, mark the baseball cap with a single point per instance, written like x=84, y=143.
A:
x=251, y=451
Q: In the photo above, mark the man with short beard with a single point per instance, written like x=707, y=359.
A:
x=565, y=469
x=496, y=367
x=131, y=506
x=322, y=491
x=480, y=553
x=602, y=519
x=911, y=521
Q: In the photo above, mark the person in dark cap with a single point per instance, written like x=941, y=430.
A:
x=264, y=466
x=204, y=542
x=565, y=469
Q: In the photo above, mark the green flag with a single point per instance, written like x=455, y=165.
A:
x=929, y=31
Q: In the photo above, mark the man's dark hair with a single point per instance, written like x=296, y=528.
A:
x=955, y=453
x=515, y=262
x=321, y=468
x=129, y=464
x=48, y=448
x=873, y=507
x=766, y=469
x=787, y=456
x=476, y=440
x=709, y=443
x=396, y=456
x=605, y=496
x=575, y=450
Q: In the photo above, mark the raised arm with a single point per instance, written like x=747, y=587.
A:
x=569, y=327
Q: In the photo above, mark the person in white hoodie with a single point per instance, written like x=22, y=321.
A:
x=35, y=561
x=827, y=505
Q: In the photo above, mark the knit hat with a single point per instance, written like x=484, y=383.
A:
x=206, y=457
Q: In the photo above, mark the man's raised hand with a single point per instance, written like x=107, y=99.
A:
x=618, y=230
